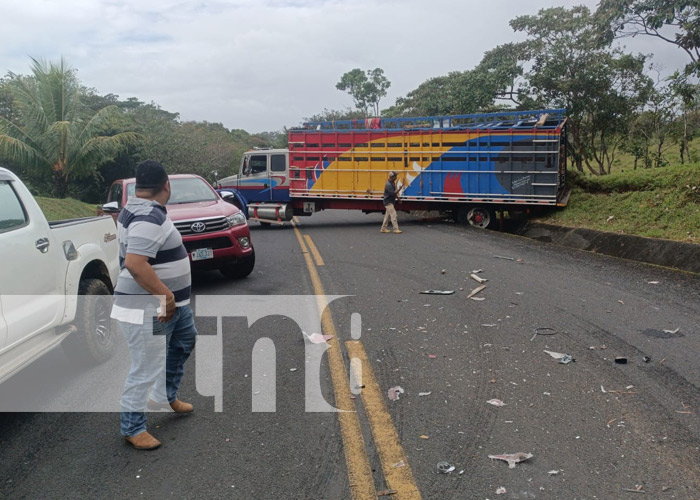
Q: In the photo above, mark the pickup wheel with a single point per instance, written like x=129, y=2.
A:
x=94, y=341
x=240, y=269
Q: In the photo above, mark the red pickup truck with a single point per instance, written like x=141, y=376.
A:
x=215, y=233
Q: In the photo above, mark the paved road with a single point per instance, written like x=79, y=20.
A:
x=643, y=431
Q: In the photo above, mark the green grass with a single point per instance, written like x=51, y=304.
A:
x=66, y=208
x=657, y=203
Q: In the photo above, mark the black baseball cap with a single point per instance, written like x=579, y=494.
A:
x=150, y=175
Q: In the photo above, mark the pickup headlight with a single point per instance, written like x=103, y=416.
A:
x=237, y=219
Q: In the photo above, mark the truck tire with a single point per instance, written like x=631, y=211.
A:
x=239, y=269
x=94, y=341
x=480, y=216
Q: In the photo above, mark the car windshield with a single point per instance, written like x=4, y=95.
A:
x=184, y=191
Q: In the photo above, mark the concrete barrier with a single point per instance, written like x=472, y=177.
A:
x=667, y=253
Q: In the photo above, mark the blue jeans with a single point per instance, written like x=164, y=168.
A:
x=158, y=354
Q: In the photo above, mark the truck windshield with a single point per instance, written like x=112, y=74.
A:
x=184, y=191
x=190, y=191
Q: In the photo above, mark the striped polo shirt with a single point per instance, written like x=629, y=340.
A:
x=144, y=228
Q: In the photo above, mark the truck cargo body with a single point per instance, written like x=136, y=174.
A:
x=502, y=161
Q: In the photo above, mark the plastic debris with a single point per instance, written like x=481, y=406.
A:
x=501, y=491
x=475, y=291
x=478, y=299
x=653, y=282
x=478, y=279
x=512, y=459
x=672, y=332
x=445, y=467
x=395, y=392
x=443, y=271
x=437, y=292
x=425, y=393
x=638, y=488
x=432, y=356
x=646, y=359
x=317, y=338
x=620, y=360
x=564, y=359
x=423, y=436
x=293, y=369
x=502, y=257
x=496, y=402
x=553, y=472
x=488, y=325
x=399, y=464
x=477, y=271
x=544, y=331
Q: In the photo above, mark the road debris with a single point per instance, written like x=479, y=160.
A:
x=478, y=299
x=432, y=356
x=672, y=332
x=477, y=271
x=653, y=282
x=475, y=291
x=437, y=292
x=443, y=271
x=646, y=359
x=502, y=257
x=425, y=393
x=293, y=369
x=638, y=488
x=317, y=338
x=512, y=458
x=621, y=360
x=544, y=331
x=399, y=464
x=445, y=467
x=477, y=278
x=553, y=472
x=496, y=402
x=501, y=491
x=423, y=436
x=386, y=493
x=564, y=359
x=395, y=392
x=488, y=325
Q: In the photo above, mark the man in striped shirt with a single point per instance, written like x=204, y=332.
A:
x=151, y=304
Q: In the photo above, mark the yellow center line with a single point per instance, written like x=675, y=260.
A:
x=314, y=251
x=356, y=460
x=385, y=436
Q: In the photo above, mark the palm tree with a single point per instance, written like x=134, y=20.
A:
x=54, y=132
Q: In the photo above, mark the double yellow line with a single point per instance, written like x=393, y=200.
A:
x=397, y=472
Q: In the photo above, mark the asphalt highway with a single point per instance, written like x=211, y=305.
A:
x=596, y=429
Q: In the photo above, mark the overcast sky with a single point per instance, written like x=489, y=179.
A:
x=260, y=65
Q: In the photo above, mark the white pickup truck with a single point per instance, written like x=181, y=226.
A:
x=56, y=282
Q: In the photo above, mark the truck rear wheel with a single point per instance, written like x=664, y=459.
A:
x=239, y=269
x=94, y=341
x=481, y=217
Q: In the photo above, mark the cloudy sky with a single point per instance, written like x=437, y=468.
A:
x=262, y=64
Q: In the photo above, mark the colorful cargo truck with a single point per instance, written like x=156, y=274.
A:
x=472, y=166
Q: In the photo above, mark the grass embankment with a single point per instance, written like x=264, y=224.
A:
x=66, y=208
x=657, y=203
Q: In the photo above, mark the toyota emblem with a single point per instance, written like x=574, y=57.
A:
x=198, y=227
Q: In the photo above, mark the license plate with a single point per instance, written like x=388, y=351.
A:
x=203, y=254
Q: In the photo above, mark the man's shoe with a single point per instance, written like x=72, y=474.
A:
x=177, y=406
x=143, y=441
x=181, y=407
x=384, y=231
x=397, y=231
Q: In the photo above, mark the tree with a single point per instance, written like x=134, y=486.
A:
x=655, y=18
x=366, y=88
x=461, y=92
x=573, y=67
x=53, y=132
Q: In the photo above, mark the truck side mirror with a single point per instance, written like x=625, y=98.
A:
x=227, y=195
x=111, y=208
